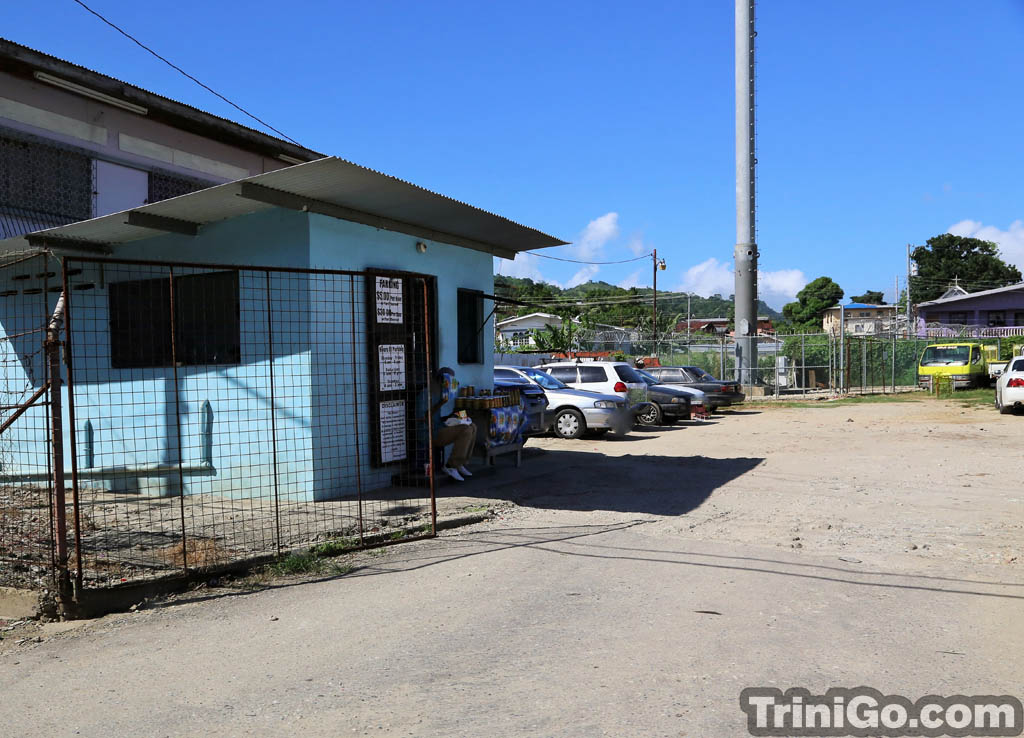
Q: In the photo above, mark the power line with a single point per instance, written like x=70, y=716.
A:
x=182, y=71
x=577, y=261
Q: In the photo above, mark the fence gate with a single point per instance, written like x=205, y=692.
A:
x=30, y=316
x=202, y=415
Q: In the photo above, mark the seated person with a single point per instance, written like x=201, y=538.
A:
x=461, y=436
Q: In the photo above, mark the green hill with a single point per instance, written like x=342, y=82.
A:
x=601, y=302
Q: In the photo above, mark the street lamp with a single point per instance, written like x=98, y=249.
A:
x=658, y=264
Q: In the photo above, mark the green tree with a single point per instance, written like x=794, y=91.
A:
x=974, y=263
x=560, y=338
x=871, y=297
x=804, y=315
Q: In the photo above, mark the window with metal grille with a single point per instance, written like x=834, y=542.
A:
x=41, y=186
x=163, y=186
x=470, y=329
x=206, y=321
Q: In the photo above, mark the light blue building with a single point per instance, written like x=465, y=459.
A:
x=301, y=301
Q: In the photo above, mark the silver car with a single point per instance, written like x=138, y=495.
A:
x=573, y=412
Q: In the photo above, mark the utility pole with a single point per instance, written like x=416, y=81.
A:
x=745, y=253
x=654, y=304
x=657, y=264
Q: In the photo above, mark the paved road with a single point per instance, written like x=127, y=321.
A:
x=551, y=631
x=602, y=611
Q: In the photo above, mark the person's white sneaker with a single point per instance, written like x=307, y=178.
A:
x=465, y=472
x=452, y=473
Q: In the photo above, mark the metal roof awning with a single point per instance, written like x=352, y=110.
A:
x=330, y=186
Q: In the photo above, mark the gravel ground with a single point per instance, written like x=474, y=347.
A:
x=624, y=587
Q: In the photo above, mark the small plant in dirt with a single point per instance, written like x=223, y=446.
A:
x=335, y=547
x=307, y=563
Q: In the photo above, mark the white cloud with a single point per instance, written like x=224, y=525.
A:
x=633, y=280
x=525, y=265
x=1011, y=241
x=637, y=246
x=779, y=287
x=585, y=274
x=593, y=238
x=590, y=246
x=712, y=277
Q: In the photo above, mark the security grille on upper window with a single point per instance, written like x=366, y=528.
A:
x=206, y=321
x=165, y=186
x=41, y=186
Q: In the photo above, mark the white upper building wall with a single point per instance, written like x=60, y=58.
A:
x=122, y=136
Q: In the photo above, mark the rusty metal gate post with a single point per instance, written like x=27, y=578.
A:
x=59, y=510
x=68, y=361
x=430, y=420
x=177, y=420
x=273, y=418
x=355, y=404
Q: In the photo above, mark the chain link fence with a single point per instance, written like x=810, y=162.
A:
x=165, y=418
x=786, y=364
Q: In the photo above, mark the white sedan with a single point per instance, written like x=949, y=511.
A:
x=1010, y=387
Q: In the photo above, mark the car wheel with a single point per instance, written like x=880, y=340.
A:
x=569, y=424
x=651, y=416
x=1003, y=409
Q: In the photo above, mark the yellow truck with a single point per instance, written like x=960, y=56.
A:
x=965, y=364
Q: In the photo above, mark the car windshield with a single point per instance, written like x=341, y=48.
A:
x=648, y=378
x=946, y=355
x=544, y=379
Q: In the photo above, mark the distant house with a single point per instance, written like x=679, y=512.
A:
x=519, y=333
x=719, y=326
x=861, y=319
x=993, y=312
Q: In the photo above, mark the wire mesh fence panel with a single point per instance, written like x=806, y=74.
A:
x=226, y=414
x=26, y=489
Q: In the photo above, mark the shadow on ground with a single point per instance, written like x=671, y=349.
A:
x=589, y=480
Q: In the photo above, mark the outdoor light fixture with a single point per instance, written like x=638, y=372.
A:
x=661, y=265
x=87, y=92
x=421, y=247
x=290, y=159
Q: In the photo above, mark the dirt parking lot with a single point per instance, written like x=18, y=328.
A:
x=623, y=587
x=916, y=481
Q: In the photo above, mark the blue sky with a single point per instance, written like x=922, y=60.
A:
x=610, y=124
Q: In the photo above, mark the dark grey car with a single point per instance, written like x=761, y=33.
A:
x=720, y=393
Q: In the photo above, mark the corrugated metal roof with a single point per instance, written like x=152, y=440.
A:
x=359, y=194
x=1018, y=287
x=14, y=52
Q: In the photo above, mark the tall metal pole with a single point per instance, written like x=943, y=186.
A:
x=745, y=253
